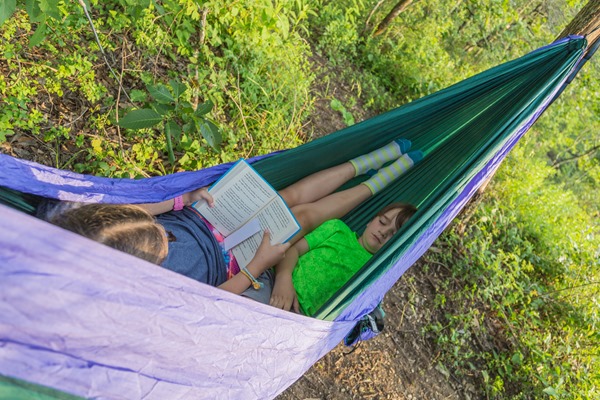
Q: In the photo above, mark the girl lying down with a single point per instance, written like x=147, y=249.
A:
x=308, y=269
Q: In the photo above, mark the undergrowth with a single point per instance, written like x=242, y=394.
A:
x=261, y=98
x=520, y=302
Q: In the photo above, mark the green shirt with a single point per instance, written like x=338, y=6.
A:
x=333, y=257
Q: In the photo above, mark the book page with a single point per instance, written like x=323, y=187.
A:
x=238, y=195
x=245, y=251
x=278, y=220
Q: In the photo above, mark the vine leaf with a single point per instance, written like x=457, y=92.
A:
x=174, y=130
x=34, y=11
x=139, y=119
x=178, y=88
x=204, y=108
x=7, y=8
x=39, y=35
x=171, y=128
x=211, y=134
x=161, y=93
x=50, y=8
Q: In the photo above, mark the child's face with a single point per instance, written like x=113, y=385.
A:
x=379, y=231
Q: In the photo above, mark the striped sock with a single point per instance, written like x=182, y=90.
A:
x=386, y=175
x=376, y=158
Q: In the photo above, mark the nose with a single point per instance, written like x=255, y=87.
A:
x=385, y=233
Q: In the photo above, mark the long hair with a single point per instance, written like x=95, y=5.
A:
x=127, y=228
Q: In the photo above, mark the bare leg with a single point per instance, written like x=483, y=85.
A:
x=336, y=205
x=317, y=185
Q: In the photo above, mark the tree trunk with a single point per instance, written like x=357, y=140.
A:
x=398, y=8
x=586, y=22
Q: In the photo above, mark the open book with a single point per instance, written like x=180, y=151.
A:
x=245, y=206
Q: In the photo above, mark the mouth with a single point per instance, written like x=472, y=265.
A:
x=377, y=238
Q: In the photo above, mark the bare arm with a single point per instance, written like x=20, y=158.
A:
x=188, y=199
x=266, y=256
x=284, y=294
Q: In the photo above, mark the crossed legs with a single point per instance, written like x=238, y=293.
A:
x=313, y=201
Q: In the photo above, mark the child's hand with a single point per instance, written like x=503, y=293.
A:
x=267, y=254
x=197, y=195
x=284, y=295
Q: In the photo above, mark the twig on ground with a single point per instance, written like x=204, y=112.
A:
x=119, y=99
x=91, y=22
x=196, y=93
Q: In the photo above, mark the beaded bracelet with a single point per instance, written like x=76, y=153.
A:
x=255, y=284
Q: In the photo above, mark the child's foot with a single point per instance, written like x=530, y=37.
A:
x=387, y=175
x=404, y=145
x=376, y=158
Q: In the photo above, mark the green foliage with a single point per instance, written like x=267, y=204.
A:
x=177, y=115
x=260, y=80
x=7, y=8
x=453, y=39
x=248, y=59
x=568, y=136
x=338, y=26
x=526, y=274
x=346, y=115
x=38, y=10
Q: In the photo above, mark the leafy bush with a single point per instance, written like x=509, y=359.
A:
x=525, y=274
x=248, y=59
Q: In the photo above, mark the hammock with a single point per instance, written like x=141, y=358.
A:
x=88, y=320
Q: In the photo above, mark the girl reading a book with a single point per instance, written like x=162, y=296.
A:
x=176, y=236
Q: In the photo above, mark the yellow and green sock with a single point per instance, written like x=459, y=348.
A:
x=377, y=158
x=388, y=174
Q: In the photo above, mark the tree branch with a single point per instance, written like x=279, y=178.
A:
x=398, y=8
x=558, y=163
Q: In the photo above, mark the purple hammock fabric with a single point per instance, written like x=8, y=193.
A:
x=86, y=319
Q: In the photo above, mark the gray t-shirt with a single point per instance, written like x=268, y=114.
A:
x=195, y=252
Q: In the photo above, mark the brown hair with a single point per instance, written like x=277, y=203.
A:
x=127, y=228
x=407, y=211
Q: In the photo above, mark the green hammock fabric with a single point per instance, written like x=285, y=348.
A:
x=17, y=200
x=459, y=129
x=16, y=389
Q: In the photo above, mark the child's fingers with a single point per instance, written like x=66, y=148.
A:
x=266, y=236
x=289, y=302
x=274, y=300
x=285, y=246
x=283, y=302
x=204, y=194
x=296, y=305
x=278, y=302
